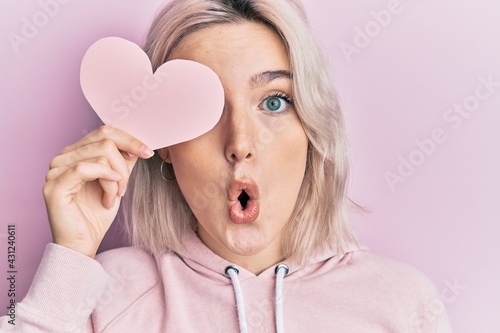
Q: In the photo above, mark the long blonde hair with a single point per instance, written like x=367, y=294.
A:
x=157, y=215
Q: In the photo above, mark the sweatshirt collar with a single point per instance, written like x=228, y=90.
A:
x=200, y=258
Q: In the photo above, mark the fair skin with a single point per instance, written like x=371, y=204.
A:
x=245, y=144
x=258, y=146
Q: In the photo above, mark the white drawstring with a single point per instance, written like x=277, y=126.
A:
x=281, y=271
x=240, y=306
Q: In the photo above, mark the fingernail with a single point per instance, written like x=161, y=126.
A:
x=116, y=175
x=131, y=155
x=147, y=152
x=122, y=192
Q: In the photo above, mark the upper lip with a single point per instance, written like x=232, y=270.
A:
x=236, y=186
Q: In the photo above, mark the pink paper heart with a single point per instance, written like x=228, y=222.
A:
x=179, y=102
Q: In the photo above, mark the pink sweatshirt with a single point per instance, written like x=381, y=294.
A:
x=129, y=290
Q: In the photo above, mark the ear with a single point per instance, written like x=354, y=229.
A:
x=165, y=154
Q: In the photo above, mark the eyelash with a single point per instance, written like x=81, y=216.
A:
x=279, y=94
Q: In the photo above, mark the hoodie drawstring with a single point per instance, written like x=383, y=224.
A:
x=240, y=306
x=281, y=270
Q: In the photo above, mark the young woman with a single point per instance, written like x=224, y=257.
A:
x=242, y=229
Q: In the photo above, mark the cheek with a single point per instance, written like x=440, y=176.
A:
x=196, y=177
x=291, y=147
x=187, y=164
x=286, y=165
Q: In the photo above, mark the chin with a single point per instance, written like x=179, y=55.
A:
x=247, y=242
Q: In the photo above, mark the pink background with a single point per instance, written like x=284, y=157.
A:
x=395, y=91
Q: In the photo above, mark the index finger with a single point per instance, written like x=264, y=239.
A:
x=123, y=141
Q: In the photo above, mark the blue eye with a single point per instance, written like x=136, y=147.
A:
x=275, y=104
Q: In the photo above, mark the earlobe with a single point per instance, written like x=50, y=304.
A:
x=165, y=154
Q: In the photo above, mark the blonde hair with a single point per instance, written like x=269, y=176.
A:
x=158, y=216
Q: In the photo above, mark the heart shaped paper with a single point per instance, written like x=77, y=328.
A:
x=179, y=102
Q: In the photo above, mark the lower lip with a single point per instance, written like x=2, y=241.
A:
x=239, y=215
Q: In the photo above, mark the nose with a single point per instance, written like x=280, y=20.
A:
x=238, y=129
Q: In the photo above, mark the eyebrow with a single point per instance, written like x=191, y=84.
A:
x=268, y=76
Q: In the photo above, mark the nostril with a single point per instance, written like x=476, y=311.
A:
x=235, y=157
x=243, y=199
x=239, y=154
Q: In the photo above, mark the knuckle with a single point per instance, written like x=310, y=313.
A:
x=54, y=173
x=48, y=175
x=104, y=131
x=46, y=190
x=65, y=150
x=108, y=146
x=79, y=168
x=101, y=160
x=53, y=163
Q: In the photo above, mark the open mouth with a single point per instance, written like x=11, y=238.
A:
x=243, y=199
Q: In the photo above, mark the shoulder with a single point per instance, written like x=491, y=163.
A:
x=134, y=280
x=409, y=289
x=127, y=260
x=130, y=266
x=392, y=273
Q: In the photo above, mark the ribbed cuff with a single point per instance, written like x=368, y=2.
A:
x=66, y=287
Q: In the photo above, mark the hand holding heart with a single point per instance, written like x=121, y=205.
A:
x=86, y=181
x=84, y=185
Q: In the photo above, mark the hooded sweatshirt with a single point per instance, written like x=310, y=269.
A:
x=130, y=290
